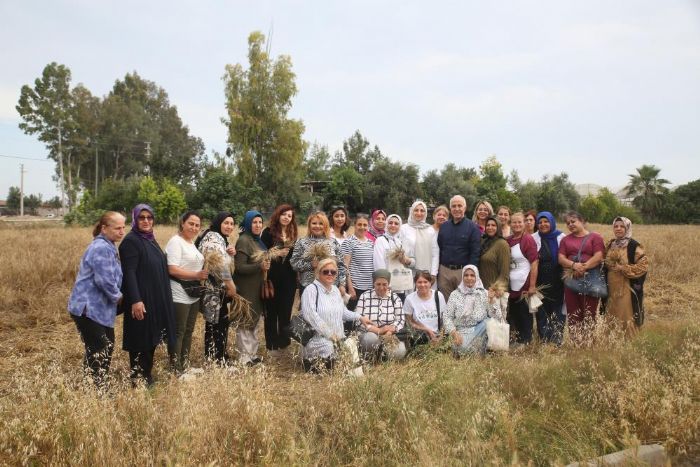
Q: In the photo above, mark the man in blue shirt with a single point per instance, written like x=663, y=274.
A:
x=459, y=240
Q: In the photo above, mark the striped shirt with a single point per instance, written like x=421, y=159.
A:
x=326, y=319
x=361, y=262
x=382, y=311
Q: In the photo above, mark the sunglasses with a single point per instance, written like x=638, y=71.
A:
x=329, y=272
x=145, y=218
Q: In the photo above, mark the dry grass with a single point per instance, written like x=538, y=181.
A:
x=539, y=405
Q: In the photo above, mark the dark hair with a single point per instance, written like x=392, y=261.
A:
x=575, y=214
x=105, y=219
x=345, y=226
x=185, y=216
x=276, y=227
x=360, y=215
x=425, y=275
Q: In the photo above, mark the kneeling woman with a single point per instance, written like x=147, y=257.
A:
x=467, y=309
x=323, y=308
x=385, y=311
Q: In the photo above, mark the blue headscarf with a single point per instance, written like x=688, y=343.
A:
x=135, y=223
x=247, y=227
x=551, y=236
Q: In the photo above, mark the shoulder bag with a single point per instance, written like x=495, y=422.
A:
x=592, y=284
x=299, y=329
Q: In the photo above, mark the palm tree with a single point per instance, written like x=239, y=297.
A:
x=648, y=190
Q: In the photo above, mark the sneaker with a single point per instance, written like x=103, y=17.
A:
x=254, y=361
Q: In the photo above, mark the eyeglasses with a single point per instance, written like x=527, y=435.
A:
x=145, y=218
x=329, y=272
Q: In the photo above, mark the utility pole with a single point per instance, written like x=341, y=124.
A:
x=96, y=167
x=60, y=161
x=21, y=189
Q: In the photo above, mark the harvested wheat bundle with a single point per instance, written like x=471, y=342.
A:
x=240, y=311
x=567, y=274
x=500, y=287
x=318, y=251
x=614, y=258
x=390, y=342
x=267, y=255
x=215, y=262
x=396, y=254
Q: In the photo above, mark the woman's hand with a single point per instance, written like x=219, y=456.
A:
x=366, y=321
x=202, y=275
x=231, y=250
x=457, y=337
x=351, y=292
x=342, y=290
x=532, y=290
x=230, y=289
x=138, y=311
x=265, y=265
x=284, y=252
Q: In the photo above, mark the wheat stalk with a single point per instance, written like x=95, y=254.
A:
x=396, y=254
x=318, y=251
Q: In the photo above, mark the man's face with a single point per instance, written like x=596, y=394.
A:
x=457, y=209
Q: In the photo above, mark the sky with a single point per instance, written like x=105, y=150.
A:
x=591, y=88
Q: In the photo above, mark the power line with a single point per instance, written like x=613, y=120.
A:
x=25, y=158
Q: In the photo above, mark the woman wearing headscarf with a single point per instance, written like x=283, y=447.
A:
x=494, y=259
x=340, y=223
x=282, y=233
x=95, y=296
x=149, y=314
x=214, y=245
x=550, y=316
x=384, y=309
x=185, y=264
x=389, y=253
x=377, y=223
x=579, y=252
x=523, y=278
x=467, y=309
x=482, y=211
x=627, y=265
x=417, y=237
x=248, y=276
x=304, y=260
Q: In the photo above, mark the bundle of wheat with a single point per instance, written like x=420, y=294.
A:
x=318, y=251
x=396, y=254
x=240, y=311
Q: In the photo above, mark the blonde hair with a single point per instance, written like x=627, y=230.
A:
x=323, y=263
x=476, y=208
x=106, y=219
x=442, y=207
x=517, y=214
x=324, y=220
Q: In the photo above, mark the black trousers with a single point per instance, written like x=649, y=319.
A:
x=216, y=336
x=277, y=315
x=520, y=320
x=99, y=345
x=141, y=363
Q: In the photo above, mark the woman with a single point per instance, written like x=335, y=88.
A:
x=530, y=221
x=357, y=254
x=248, y=277
x=304, y=260
x=340, y=223
x=282, y=233
x=494, y=259
x=323, y=308
x=503, y=214
x=149, y=315
x=185, y=263
x=440, y=215
x=385, y=312
x=213, y=244
x=467, y=309
x=580, y=251
x=96, y=294
x=423, y=310
x=390, y=254
x=523, y=278
x=377, y=223
x=482, y=211
x=550, y=316
x=417, y=237
x=627, y=265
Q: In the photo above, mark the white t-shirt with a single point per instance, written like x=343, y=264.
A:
x=183, y=254
x=424, y=311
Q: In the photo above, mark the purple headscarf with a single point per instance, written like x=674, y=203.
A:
x=135, y=222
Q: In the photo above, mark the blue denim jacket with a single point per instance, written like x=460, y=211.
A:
x=96, y=290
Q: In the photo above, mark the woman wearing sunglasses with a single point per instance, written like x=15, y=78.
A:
x=323, y=308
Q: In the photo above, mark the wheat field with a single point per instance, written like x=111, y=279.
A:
x=535, y=406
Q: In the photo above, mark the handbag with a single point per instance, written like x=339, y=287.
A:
x=194, y=289
x=299, y=329
x=592, y=284
x=497, y=335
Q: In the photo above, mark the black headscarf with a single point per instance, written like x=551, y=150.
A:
x=486, y=241
x=216, y=226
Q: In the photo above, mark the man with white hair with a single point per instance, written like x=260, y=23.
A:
x=459, y=241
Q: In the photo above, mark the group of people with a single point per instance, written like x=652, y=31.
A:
x=394, y=285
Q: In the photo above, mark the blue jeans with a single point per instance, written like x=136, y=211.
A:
x=473, y=340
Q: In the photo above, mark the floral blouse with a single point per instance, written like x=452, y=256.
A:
x=467, y=310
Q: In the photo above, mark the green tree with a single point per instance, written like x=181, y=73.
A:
x=358, y=154
x=317, y=163
x=346, y=187
x=557, y=194
x=648, y=190
x=13, y=199
x=118, y=195
x=438, y=188
x=32, y=203
x=170, y=202
x=682, y=205
x=392, y=186
x=266, y=144
x=594, y=210
x=148, y=191
x=491, y=181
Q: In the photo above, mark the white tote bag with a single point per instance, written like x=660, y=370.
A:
x=498, y=335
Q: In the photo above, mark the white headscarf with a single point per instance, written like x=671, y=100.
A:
x=470, y=290
x=622, y=242
x=412, y=221
x=386, y=230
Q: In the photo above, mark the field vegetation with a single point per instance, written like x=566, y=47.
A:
x=540, y=405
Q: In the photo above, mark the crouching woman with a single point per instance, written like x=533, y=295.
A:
x=467, y=309
x=323, y=308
